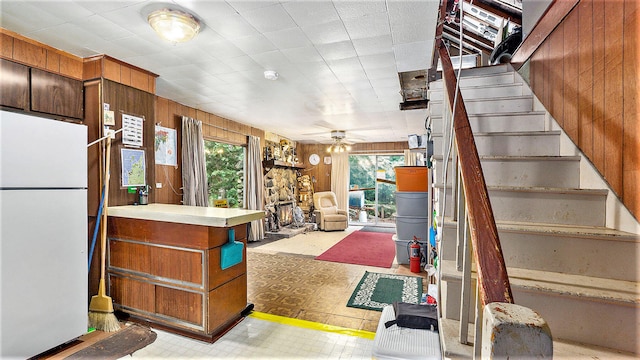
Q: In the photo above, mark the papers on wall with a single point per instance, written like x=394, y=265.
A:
x=132, y=130
x=165, y=146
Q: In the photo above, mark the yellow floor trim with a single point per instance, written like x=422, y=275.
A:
x=313, y=325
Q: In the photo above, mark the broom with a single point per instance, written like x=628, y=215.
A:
x=101, y=316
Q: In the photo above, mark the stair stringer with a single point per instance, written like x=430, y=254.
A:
x=618, y=217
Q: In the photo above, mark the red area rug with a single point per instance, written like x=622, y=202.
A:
x=363, y=248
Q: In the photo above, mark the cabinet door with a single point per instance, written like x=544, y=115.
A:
x=14, y=85
x=55, y=94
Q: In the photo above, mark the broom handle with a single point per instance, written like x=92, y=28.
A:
x=103, y=238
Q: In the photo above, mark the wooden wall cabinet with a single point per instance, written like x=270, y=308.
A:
x=169, y=274
x=14, y=86
x=55, y=94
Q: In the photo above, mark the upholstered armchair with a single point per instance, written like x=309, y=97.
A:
x=328, y=216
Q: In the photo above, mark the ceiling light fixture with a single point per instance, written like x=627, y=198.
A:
x=270, y=75
x=338, y=146
x=174, y=25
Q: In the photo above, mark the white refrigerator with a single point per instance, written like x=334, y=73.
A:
x=43, y=234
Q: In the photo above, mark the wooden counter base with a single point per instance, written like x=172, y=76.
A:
x=169, y=275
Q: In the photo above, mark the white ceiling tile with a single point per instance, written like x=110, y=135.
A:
x=413, y=56
x=373, y=45
x=207, y=11
x=355, y=9
x=367, y=26
x=243, y=6
x=326, y=33
x=288, y=38
x=99, y=7
x=242, y=63
x=254, y=44
x=272, y=60
x=232, y=78
x=410, y=32
x=411, y=11
x=13, y=11
x=232, y=27
x=271, y=18
x=337, y=50
x=302, y=55
x=214, y=66
x=378, y=60
x=386, y=82
x=347, y=64
x=65, y=10
x=130, y=18
x=350, y=76
x=307, y=13
x=381, y=72
x=102, y=27
x=224, y=50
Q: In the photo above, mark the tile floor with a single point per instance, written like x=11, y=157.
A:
x=256, y=338
x=298, y=294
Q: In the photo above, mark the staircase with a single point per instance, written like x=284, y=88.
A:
x=565, y=259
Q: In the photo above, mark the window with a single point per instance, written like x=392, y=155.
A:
x=225, y=173
x=372, y=188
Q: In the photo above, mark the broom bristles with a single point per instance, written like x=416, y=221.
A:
x=103, y=321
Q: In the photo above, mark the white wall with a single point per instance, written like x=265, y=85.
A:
x=532, y=10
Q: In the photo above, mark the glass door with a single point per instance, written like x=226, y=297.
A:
x=372, y=189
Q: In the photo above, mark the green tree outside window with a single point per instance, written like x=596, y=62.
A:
x=225, y=172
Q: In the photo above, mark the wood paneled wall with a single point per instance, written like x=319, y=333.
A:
x=127, y=100
x=587, y=73
x=169, y=114
x=322, y=171
x=26, y=51
x=115, y=70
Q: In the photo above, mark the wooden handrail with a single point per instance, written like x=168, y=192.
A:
x=492, y=271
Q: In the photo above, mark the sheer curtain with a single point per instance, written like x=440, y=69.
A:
x=340, y=178
x=255, y=186
x=194, y=171
x=412, y=158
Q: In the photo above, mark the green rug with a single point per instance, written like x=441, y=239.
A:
x=377, y=290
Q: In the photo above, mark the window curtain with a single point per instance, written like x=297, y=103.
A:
x=255, y=186
x=412, y=158
x=340, y=178
x=194, y=172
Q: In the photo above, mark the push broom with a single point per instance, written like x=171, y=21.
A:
x=101, y=316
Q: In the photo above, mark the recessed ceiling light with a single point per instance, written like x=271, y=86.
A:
x=174, y=25
x=270, y=75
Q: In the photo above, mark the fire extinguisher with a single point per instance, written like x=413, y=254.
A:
x=414, y=256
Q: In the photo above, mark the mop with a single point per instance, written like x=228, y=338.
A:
x=101, y=316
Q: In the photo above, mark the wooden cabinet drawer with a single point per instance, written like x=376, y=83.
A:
x=180, y=304
x=132, y=293
x=226, y=300
x=183, y=266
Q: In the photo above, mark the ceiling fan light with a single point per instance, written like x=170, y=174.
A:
x=174, y=25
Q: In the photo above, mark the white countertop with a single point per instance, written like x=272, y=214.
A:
x=182, y=214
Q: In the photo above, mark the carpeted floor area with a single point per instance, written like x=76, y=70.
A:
x=363, y=248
